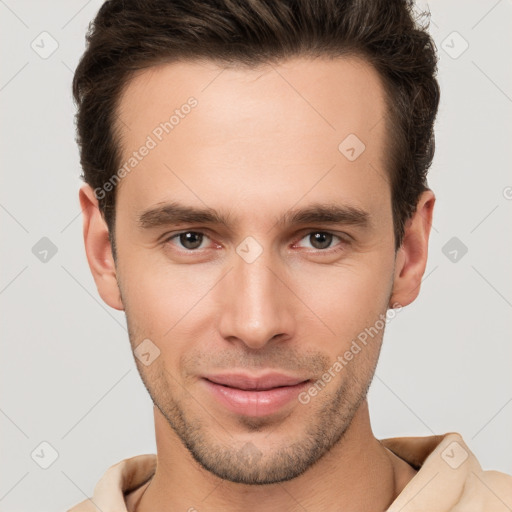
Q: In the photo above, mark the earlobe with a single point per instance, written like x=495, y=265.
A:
x=98, y=249
x=411, y=258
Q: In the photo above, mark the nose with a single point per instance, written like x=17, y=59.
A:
x=256, y=304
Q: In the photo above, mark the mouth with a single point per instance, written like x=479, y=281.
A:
x=255, y=396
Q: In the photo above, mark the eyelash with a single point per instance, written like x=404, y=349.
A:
x=343, y=240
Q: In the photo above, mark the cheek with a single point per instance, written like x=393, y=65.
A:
x=162, y=293
x=171, y=306
x=347, y=297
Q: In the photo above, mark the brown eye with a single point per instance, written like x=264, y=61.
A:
x=190, y=240
x=323, y=243
x=320, y=240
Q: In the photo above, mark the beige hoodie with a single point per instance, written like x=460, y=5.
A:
x=449, y=478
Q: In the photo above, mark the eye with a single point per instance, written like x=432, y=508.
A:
x=189, y=240
x=320, y=240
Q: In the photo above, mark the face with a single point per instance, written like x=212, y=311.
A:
x=255, y=243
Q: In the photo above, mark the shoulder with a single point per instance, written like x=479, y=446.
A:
x=449, y=477
x=119, y=480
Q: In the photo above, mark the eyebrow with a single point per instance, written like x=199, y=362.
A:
x=321, y=213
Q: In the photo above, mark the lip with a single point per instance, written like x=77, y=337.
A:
x=254, y=383
x=254, y=395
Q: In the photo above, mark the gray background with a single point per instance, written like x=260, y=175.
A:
x=67, y=374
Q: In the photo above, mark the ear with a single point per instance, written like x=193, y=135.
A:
x=98, y=249
x=411, y=258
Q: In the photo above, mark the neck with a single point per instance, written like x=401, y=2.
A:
x=358, y=474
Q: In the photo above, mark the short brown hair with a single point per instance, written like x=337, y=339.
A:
x=130, y=35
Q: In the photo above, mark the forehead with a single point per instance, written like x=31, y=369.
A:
x=273, y=127
x=332, y=93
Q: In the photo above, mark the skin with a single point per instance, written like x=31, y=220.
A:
x=261, y=142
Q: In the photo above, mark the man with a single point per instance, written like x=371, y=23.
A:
x=256, y=202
